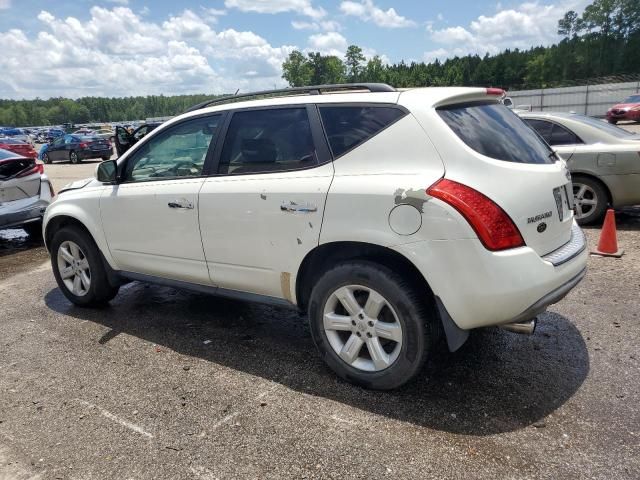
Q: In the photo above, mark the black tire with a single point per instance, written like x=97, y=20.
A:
x=34, y=230
x=100, y=290
x=612, y=121
x=602, y=199
x=106, y=158
x=414, y=313
x=45, y=158
x=73, y=157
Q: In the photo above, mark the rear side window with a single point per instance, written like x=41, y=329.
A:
x=349, y=126
x=553, y=133
x=495, y=131
x=274, y=140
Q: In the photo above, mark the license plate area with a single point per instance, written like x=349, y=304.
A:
x=563, y=196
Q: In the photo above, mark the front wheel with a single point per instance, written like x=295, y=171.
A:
x=590, y=200
x=78, y=268
x=370, y=325
x=73, y=157
x=45, y=158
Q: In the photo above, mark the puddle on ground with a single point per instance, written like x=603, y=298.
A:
x=19, y=252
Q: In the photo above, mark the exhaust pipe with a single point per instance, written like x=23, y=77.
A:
x=525, y=328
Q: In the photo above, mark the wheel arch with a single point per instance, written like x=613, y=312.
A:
x=325, y=256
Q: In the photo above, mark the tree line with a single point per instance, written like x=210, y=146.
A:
x=55, y=111
x=603, y=41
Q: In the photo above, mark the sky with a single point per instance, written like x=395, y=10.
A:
x=143, y=47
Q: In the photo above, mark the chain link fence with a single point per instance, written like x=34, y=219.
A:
x=591, y=97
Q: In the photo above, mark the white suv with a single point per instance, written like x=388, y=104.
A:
x=389, y=216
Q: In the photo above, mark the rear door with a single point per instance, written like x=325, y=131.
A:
x=261, y=212
x=506, y=161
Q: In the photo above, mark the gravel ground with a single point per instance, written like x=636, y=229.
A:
x=167, y=384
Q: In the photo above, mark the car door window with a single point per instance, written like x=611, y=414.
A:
x=563, y=136
x=179, y=151
x=274, y=140
x=349, y=126
x=68, y=139
x=543, y=128
x=58, y=142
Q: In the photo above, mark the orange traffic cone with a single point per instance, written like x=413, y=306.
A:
x=608, y=244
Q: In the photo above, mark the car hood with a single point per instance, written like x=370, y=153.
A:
x=625, y=105
x=80, y=184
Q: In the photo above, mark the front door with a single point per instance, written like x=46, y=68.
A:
x=262, y=212
x=150, y=218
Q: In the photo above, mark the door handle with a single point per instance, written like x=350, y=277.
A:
x=180, y=204
x=295, y=207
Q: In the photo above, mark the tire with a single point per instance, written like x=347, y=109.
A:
x=98, y=291
x=45, y=158
x=73, y=157
x=403, y=307
x=590, y=199
x=612, y=121
x=106, y=158
x=34, y=230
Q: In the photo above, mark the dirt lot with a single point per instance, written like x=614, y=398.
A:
x=166, y=384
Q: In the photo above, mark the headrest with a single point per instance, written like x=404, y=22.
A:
x=258, y=150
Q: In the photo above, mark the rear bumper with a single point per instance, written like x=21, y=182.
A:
x=15, y=218
x=479, y=288
x=87, y=154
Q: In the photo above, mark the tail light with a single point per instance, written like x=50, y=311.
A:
x=36, y=168
x=83, y=145
x=494, y=227
x=495, y=91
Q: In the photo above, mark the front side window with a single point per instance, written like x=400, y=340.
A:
x=493, y=130
x=177, y=152
x=260, y=141
x=349, y=126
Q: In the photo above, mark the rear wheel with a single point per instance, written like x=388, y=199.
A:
x=78, y=268
x=590, y=199
x=73, y=157
x=370, y=325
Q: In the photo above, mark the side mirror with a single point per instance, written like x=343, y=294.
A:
x=106, y=172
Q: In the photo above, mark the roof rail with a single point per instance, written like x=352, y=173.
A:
x=310, y=90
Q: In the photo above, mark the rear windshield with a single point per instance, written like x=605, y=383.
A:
x=495, y=131
x=604, y=126
x=12, y=167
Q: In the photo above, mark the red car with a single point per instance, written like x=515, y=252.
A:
x=18, y=146
x=627, y=110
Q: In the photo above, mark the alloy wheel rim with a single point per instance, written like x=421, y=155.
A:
x=73, y=266
x=362, y=328
x=585, y=200
x=74, y=157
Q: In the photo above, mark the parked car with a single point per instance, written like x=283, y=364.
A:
x=16, y=134
x=125, y=139
x=603, y=160
x=106, y=134
x=18, y=146
x=54, y=133
x=25, y=192
x=388, y=216
x=627, y=110
x=75, y=148
x=83, y=132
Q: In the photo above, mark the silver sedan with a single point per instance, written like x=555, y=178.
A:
x=604, y=160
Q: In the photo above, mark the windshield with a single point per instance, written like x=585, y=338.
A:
x=495, y=131
x=633, y=99
x=604, y=126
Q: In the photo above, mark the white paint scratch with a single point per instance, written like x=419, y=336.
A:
x=115, y=418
